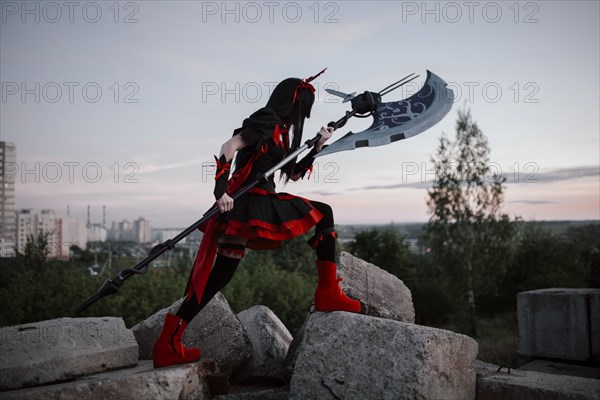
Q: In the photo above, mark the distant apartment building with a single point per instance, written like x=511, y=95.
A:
x=63, y=232
x=163, y=234
x=96, y=233
x=74, y=232
x=121, y=231
x=141, y=229
x=8, y=223
x=137, y=231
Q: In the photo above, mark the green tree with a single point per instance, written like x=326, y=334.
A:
x=384, y=248
x=584, y=240
x=545, y=259
x=36, y=288
x=466, y=231
x=36, y=251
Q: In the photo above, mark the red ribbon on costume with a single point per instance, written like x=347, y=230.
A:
x=305, y=84
x=310, y=170
x=278, y=133
x=222, y=168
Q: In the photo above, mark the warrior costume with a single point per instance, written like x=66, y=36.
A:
x=262, y=216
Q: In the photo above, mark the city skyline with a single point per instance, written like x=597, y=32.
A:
x=104, y=108
x=62, y=232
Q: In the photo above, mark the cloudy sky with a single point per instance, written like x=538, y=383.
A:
x=125, y=103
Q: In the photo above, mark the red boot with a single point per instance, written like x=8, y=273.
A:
x=168, y=349
x=329, y=295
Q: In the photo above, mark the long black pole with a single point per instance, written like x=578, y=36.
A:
x=111, y=286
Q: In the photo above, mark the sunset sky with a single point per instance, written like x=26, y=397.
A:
x=124, y=104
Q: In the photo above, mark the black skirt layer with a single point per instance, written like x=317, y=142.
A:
x=266, y=218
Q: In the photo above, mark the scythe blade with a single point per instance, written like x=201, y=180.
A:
x=397, y=120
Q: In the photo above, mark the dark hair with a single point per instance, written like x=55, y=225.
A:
x=292, y=102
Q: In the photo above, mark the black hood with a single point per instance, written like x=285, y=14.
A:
x=282, y=100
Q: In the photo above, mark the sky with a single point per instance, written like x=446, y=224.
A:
x=124, y=104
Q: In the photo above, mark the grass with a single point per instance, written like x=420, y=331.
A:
x=497, y=338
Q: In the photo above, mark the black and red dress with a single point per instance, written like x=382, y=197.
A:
x=262, y=215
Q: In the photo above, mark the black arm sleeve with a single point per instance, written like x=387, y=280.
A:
x=222, y=176
x=305, y=165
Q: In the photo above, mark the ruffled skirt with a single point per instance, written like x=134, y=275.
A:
x=266, y=218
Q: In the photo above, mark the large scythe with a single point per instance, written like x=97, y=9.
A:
x=402, y=119
x=392, y=121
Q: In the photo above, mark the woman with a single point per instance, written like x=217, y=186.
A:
x=260, y=219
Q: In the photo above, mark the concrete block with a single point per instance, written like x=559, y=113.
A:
x=381, y=293
x=558, y=323
x=352, y=356
x=270, y=342
x=182, y=382
x=61, y=349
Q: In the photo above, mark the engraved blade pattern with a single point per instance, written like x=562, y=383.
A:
x=397, y=120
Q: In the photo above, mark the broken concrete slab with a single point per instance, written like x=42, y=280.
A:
x=270, y=342
x=531, y=385
x=558, y=323
x=61, y=349
x=216, y=330
x=381, y=293
x=180, y=382
x=351, y=356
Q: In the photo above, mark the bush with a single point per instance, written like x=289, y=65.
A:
x=34, y=288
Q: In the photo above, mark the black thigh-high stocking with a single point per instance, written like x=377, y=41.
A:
x=222, y=272
x=324, y=240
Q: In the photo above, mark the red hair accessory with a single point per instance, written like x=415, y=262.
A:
x=305, y=84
